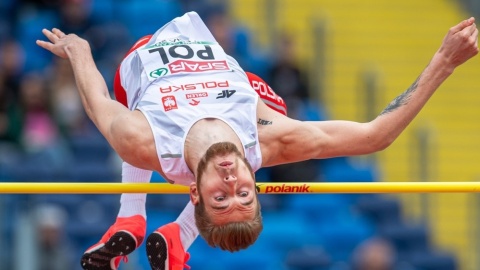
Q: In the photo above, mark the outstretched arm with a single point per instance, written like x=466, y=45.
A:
x=118, y=124
x=91, y=85
x=344, y=138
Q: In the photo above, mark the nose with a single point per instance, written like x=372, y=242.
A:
x=230, y=178
x=228, y=174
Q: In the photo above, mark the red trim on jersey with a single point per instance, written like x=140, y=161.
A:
x=266, y=93
x=118, y=89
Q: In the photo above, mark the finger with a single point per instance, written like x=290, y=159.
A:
x=58, y=32
x=45, y=45
x=462, y=25
x=52, y=48
x=471, y=29
x=475, y=35
x=51, y=36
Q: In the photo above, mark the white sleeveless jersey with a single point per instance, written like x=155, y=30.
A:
x=180, y=76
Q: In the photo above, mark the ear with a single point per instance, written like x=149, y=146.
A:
x=194, y=196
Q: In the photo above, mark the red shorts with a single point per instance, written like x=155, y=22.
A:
x=266, y=93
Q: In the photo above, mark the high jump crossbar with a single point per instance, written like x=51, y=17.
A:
x=262, y=188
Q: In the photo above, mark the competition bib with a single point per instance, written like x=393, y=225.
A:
x=180, y=56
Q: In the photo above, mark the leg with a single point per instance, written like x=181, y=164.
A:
x=128, y=232
x=166, y=246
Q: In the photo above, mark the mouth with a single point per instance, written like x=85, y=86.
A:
x=226, y=163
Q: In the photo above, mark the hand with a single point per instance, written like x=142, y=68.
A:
x=61, y=44
x=460, y=43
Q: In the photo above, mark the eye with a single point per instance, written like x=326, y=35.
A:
x=243, y=194
x=219, y=198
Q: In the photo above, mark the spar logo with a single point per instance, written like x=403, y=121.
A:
x=287, y=188
x=180, y=66
x=158, y=73
x=192, y=57
x=169, y=103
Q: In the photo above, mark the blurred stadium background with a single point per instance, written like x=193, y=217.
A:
x=343, y=59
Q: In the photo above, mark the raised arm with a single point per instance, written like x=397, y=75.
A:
x=118, y=125
x=91, y=85
x=297, y=140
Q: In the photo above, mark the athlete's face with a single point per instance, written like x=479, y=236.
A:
x=227, y=188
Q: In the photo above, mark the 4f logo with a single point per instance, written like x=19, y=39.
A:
x=226, y=94
x=169, y=103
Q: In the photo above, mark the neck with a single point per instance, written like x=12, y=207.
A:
x=202, y=135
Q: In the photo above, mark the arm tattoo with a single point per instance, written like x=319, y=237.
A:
x=402, y=99
x=264, y=122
